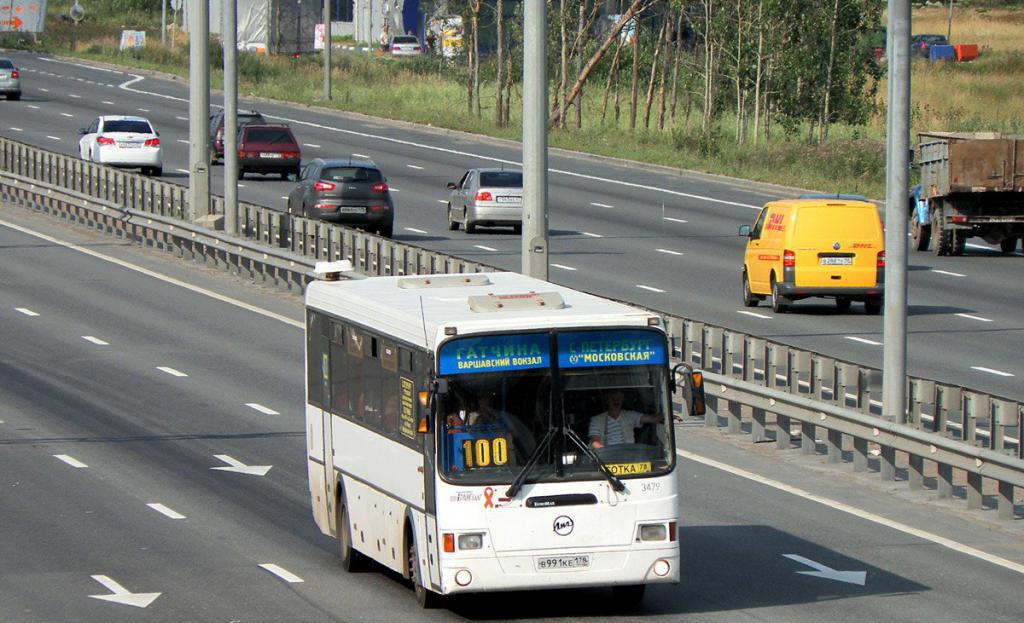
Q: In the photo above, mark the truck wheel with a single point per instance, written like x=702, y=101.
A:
x=920, y=233
x=1008, y=245
x=942, y=239
x=958, y=243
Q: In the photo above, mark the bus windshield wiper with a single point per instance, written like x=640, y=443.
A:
x=517, y=482
x=587, y=450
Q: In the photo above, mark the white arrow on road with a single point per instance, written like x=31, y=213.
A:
x=240, y=467
x=122, y=595
x=821, y=571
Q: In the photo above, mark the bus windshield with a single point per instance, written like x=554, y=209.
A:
x=607, y=388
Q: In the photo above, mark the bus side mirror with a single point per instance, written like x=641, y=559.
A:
x=692, y=383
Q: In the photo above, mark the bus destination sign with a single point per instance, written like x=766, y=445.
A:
x=494, y=353
x=616, y=347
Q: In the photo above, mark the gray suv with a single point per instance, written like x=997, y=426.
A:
x=10, y=80
x=348, y=191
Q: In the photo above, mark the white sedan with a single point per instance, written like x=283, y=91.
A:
x=122, y=142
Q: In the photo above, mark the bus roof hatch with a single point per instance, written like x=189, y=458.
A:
x=516, y=302
x=443, y=281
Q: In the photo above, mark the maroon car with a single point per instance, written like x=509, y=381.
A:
x=268, y=149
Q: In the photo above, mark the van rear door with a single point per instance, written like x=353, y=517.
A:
x=837, y=246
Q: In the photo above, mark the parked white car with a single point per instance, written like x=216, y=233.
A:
x=405, y=45
x=123, y=141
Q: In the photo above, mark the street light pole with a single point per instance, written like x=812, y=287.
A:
x=198, y=109
x=229, y=39
x=327, y=49
x=535, y=141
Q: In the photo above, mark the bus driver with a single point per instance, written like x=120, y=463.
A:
x=616, y=425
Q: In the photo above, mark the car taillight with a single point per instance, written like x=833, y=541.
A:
x=152, y=142
x=959, y=219
x=14, y=74
x=322, y=185
x=415, y=48
x=379, y=187
x=788, y=259
x=483, y=195
x=378, y=208
x=104, y=140
x=880, y=262
x=246, y=154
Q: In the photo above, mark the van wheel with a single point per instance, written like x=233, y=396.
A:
x=920, y=233
x=873, y=307
x=749, y=299
x=425, y=598
x=1008, y=245
x=351, y=560
x=843, y=304
x=780, y=304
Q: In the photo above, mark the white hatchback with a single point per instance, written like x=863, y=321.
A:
x=122, y=142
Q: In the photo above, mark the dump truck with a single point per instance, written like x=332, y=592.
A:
x=972, y=184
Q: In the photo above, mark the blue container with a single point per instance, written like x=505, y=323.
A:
x=942, y=53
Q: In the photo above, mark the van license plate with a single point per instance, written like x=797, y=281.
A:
x=557, y=563
x=836, y=261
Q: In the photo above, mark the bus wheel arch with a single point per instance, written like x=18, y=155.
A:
x=351, y=559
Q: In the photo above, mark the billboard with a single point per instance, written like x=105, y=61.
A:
x=22, y=15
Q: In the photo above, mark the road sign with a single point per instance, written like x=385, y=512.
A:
x=22, y=15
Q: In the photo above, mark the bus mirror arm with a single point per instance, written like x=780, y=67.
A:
x=693, y=387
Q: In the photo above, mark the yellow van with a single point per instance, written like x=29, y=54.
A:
x=828, y=247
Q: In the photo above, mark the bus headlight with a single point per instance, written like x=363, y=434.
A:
x=473, y=540
x=653, y=532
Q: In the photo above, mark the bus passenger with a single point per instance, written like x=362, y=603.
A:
x=616, y=425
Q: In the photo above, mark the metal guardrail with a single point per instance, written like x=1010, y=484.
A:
x=761, y=386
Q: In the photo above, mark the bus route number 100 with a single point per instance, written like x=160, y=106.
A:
x=485, y=452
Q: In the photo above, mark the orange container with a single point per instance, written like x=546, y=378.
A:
x=966, y=52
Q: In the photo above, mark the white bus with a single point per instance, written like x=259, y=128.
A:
x=483, y=432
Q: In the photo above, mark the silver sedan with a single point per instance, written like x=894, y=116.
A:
x=486, y=197
x=10, y=80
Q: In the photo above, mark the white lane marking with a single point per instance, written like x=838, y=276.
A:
x=754, y=314
x=863, y=340
x=182, y=118
x=298, y=324
x=185, y=171
x=393, y=189
x=856, y=512
x=26, y=311
x=182, y=140
x=64, y=114
x=241, y=468
x=70, y=460
x=17, y=129
x=978, y=318
x=73, y=96
x=361, y=156
x=669, y=251
x=991, y=371
x=413, y=166
x=311, y=145
x=282, y=573
x=674, y=220
x=264, y=410
x=414, y=230
x=171, y=371
x=480, y=246
x=587, y=233
x=240, y=185
x=44, y=90
x=650, y=288
x=122, y=595
x=56, y=138
x=946, y=272
x=143, y=110
x=163, y=510
x=601, y=205
x=95, y=340
x=444, y=201
x=33, y=107
x=109, y=103
x=564, y=267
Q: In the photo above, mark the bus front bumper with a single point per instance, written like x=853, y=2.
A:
x=524, y=571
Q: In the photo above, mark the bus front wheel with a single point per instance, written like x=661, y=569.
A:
x=425, y=598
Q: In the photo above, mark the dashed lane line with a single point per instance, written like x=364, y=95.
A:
x=171, y=371
x=258, y=407
x=70, y=460
x=281, y=572
x=95, y=340
x=167, y=512
x=26, y=311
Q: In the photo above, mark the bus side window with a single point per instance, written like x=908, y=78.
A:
x=315, y=346
x=371, y=382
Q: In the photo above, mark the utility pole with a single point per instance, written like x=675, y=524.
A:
x=163, y=22
x=894, y=357
x=198, y=109
x=535, y=141
x=229, y=39
x=327, y=50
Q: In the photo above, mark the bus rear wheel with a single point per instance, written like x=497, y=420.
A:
x=425, y=598
x=351, y=560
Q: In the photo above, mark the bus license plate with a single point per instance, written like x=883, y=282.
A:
x=836, y=261
x=558, y=563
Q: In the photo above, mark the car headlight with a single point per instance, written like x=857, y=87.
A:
x=473, y=540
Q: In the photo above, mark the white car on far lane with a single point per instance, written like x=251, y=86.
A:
x=122, y=141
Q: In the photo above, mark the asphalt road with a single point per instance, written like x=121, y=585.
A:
x=121, y=393
x=659, y=237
